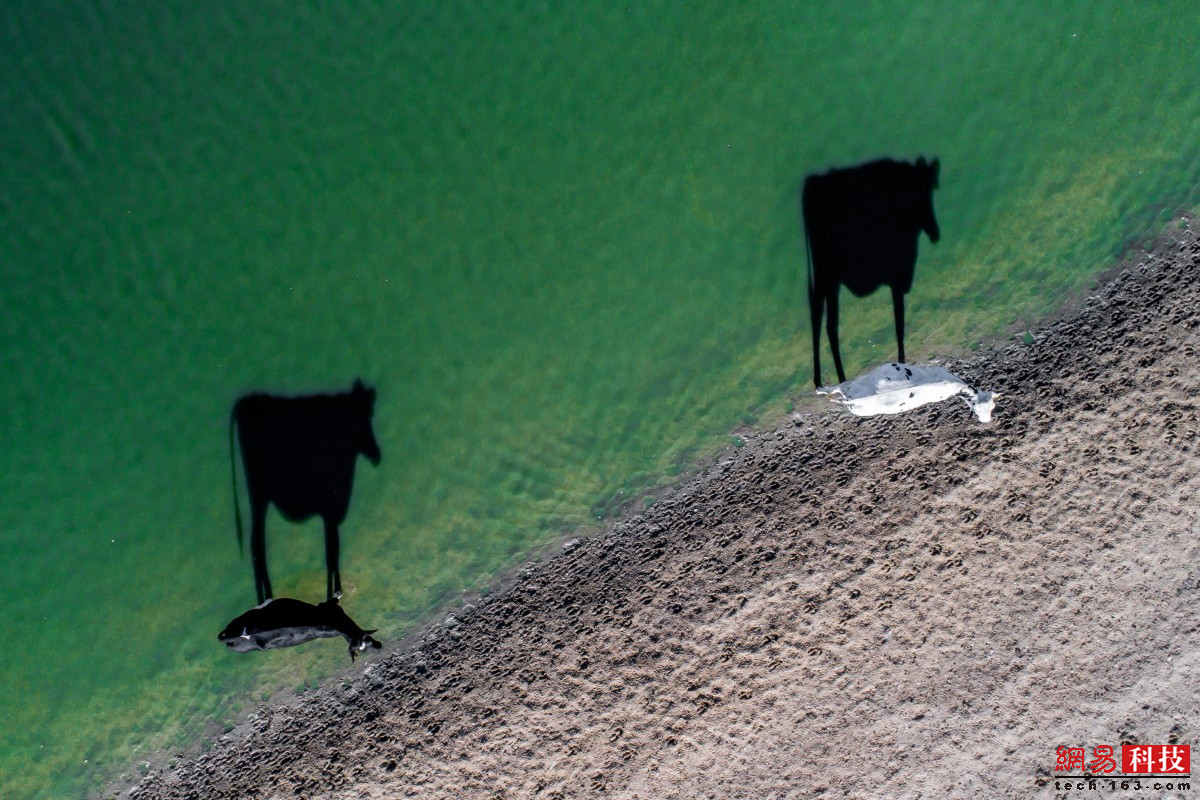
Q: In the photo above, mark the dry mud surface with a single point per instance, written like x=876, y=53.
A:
x=912, y=606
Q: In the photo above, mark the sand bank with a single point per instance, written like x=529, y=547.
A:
x=909, y=606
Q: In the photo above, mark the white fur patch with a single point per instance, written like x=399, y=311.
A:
x=896, y=388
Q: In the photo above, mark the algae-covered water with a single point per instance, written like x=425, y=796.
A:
x=560, y=239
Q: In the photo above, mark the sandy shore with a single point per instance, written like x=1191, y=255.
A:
x=914, y=606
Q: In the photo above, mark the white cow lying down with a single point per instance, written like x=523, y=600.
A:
x=893, y=388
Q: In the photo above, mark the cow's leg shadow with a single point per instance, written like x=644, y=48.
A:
x=831, y=328
x=816, y=302
x=333, y=576
x=258, y=548
x=898, y=309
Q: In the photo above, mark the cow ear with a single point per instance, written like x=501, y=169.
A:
x=358, y=385
x=937, y=168
x=921, y=162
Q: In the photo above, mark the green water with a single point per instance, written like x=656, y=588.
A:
x=561, y=239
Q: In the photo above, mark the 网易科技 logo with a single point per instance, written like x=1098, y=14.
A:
x=1150, y=766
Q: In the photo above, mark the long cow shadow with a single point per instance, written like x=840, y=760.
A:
x=299, y=453
x=861, y=228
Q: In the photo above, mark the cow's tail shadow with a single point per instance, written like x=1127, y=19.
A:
x=237, y=509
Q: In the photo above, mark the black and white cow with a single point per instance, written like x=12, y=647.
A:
x=285, y=622
x=861, y=226
x=299, y=453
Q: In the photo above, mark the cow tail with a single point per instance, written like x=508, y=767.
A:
x=237, y=510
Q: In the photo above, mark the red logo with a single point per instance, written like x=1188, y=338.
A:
x=1136, y=759
x=1156, y=759
x=1070, y=758
x=1102, y=760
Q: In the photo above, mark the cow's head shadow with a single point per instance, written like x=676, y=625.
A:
x=364, y=433
x=861, y=228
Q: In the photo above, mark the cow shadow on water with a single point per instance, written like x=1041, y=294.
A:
x=862, y=225
x=861, y=229
x=299, y=453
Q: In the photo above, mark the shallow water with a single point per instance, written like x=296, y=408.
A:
x=563, y=243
